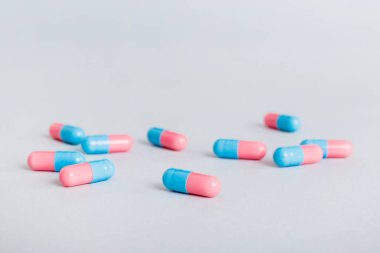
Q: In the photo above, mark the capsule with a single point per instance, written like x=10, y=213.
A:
x=167, y=139
x=68, y=134
x=235, y=149
x=87, y=173
x=332, y=148
x=282, y=122
x=103, y=144
x=191, y=183
x=297, y=155
x=53, y=161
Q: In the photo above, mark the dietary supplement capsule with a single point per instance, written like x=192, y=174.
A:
x=191, y=183
x=53, y=160
x=68, y=134
x=103, y=144
x=167, y=139
x=332, y=148
x=87, y=173
x=297, y=155
x=235, y=149
x=282, y=122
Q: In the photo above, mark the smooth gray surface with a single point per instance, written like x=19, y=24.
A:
x=209, y=70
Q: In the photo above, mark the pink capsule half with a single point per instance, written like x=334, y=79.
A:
x=203, y=185
x=312, y=154
x=339, y=148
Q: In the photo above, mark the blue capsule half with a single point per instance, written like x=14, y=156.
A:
x=66, y=158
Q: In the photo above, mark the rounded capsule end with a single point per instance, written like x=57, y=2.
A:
x=179, y=143
x=213, y=188
x=217, y=148
x=173, y=141
x=347, y=148
x=77, y=136
x=154, y=135
x=41, y=160
x=270, y=120
x=55, y=130
x=312, y=153
x=203, y=185
x=167, y=178
x=76, y=175
x=252, y=150
x=87, y=146
x=283, y=158
x=339, y=149
x=292, y=125
x=31, y=160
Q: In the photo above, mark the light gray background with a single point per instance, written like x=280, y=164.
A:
x=208, y=69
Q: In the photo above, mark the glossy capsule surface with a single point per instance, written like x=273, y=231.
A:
x=66, y=133
x=297, y=155
x=103, y=144
x=167, y=139
x=281, y=122
x=332, y=148
x=53, y=160
x=86, y=173
x=236, y=149
x=191, y=183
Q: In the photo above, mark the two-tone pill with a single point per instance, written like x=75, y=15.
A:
x=281, y=122
x=188, y=182
x=103, y=144
x=236, y=149
x=53, y=160
x=86, y=173
x=332, y=148
x=66, y=133
x=297, y=155
x=167, y=139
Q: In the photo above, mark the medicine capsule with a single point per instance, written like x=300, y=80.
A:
x=53, y=161
x=282, y=122
x=86, y=173
x=68, y=134
x=103, y=144
x=235, y=149
x=332, y=148
x=167, y=139
x=191, y=183
x=297, y=155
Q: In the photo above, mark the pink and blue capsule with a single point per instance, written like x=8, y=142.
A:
x=236, y=149
x=297, y=155
x=332, y=148
x=167, y=139
x=104, y=144
x=188, y=182
x=87, y=173
x=281, y=122
x=53, y=160
x=68, y=134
